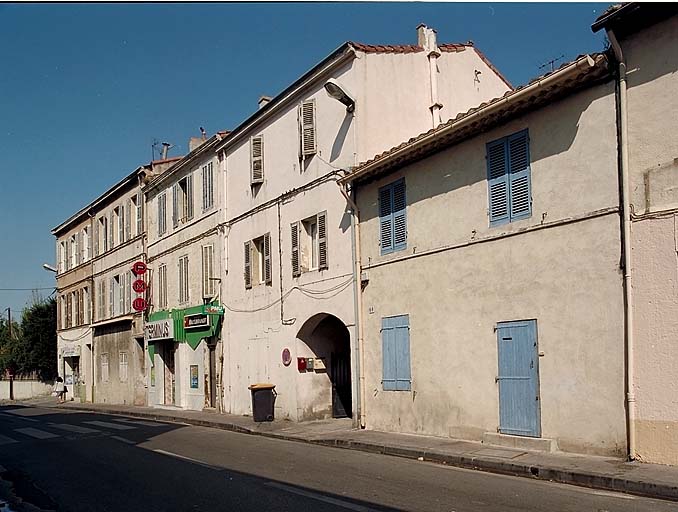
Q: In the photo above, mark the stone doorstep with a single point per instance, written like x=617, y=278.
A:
x=535, y=444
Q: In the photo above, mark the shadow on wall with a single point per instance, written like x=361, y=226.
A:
x=340, y=139
x=552, y=130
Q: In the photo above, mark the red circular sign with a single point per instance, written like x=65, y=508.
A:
x=139, y=286
x=139, y=268
x=139, y=304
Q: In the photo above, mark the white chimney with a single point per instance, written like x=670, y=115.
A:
x=426, y=38
x=263, y=101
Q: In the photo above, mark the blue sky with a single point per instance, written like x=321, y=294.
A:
x=85, y=89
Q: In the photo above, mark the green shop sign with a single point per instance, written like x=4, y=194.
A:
x=192, y=324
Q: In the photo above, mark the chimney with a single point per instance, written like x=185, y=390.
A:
x=263, y=101
x=426, y=38
x=194, y=142
x=165, y=148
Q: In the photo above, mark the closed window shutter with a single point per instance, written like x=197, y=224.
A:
x=78, y=248
x=111, y=231
x=399, y=216
x=386, y=219
x=296, y=269
x=161, y=214
x=207, y=283
x=175, y=205
x=388, y=354
x=248, y=265
x=139, y=214
x=322, y=241
x=111, y=298
x=257, y=159
x=402, y=349
x=497, y=179
x=519, y=175
x=267, y=259
x=307, y=128
x=189, y=197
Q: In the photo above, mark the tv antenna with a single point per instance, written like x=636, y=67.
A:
x=551, y=63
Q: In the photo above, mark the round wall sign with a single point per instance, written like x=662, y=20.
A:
x=139, y=304
x=139, y=268
x=286, y=357
x=139, y=286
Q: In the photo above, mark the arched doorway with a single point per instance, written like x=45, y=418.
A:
x=329, y=340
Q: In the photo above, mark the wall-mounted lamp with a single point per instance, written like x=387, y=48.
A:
x=339, y=93
x=49, y=267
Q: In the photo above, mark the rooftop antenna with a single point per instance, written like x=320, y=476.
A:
x=551, y=63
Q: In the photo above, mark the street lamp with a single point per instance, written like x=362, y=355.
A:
x=339, y=93
x=49, y=267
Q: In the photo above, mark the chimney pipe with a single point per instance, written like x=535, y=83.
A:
x=165, y=148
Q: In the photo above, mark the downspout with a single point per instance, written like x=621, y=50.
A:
x=626, y=233
x=358, y=302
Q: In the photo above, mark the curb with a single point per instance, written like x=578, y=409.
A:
x=536, y=472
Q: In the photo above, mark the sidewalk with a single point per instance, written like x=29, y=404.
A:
x=650, y=480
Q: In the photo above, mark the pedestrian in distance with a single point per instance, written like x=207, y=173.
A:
x=59, y=390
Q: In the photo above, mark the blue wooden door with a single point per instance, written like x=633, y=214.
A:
x=519, y=412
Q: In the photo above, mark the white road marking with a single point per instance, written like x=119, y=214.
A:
x=16, y=417
x=340, y=503
x=34, y=432
x=106, y=424
x=141, y=422
x=7, y=440
x=123, y=439
x=29, y=412
x=194, y=461
x=74, y=428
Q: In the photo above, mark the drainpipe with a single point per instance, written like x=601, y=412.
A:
x=358, y=302
x=626, y=229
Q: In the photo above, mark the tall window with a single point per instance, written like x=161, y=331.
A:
x=392, y=217
x=73, y=251
x=258, y=261
x=104, y=367
x=62, y=256
x=137, y=204
x=86, y=244
x=395, y=343
x=307, y=136
x=508, y=178
x=182, y=200
x=162, y=286
x=86, y=305
x=162, y=214
x=103, y=233
x=257, y=160
x=309, y=244
x=183, y=280
x=208, y=283
x=122, y=368
x=207, y=187
x=101, y=299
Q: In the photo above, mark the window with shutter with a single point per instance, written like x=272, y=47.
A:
x=162, y=214
x=248, y=265
x=111, y=298
x=207, y=187
x=508, y=176
x=189, y=196
x=393, y=217
x=139, y=214
x=307, y=130
x=257, y=159
x=183, y=280
x=296, y=268
x=322, y=241
x=128, y=220
x=268, y=279
x=395, y=335
x=175, y=205
x=208, y=284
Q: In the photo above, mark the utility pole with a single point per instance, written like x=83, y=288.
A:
x=11, y=372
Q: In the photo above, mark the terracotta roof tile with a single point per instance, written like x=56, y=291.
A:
x=406, y=48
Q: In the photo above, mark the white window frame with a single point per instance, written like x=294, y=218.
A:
x=162, y=214
x=184, y=280
x=162, y=286
x=208, y=282
x=207, y=187
x=105, y=369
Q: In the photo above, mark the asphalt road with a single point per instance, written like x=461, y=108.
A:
x=71, y=461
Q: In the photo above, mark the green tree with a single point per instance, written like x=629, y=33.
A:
x=36, y=350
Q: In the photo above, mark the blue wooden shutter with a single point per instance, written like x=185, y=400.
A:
x=497, y=180
x=399, y=216
x=388, y=354
x=395, y=333
x=519, y=175
x=386, y=219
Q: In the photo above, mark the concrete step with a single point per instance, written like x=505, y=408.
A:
x=536, y=444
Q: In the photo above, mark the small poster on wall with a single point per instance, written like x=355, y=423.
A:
x=194, y=376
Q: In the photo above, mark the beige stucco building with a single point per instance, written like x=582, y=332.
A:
x=288, y=279
x=74, y=305
x=646, y=37
x=490, y=248
x=185, y=252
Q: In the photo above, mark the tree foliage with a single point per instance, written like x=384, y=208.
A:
x=32, y=347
